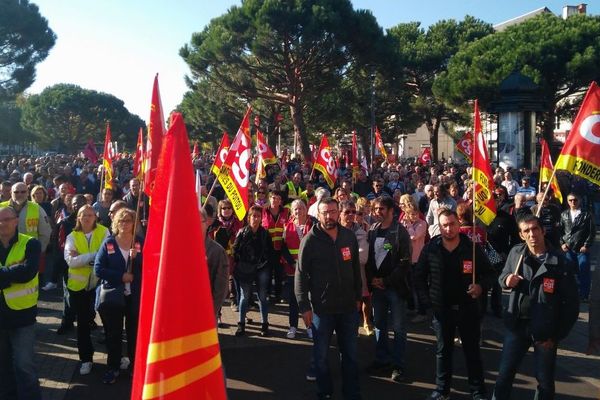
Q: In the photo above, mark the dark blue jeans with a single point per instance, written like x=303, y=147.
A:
x=18, y=377
x=516, y=344
x=468, y=323
x=263, y=277
x=345, y=326
x=584, y=275
x=291, y=298
x=385, y=301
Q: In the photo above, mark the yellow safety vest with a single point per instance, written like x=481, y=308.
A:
x=20, y=296
x=32, y=218
x=79, y=275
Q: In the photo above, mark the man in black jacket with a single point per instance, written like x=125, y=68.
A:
x=328, y=269
x=543, y=307
x=577, y=233
x=448, y=278
x=387, y=276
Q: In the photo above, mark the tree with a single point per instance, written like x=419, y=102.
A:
x=25, y=40
x=561, y=56
x=64, y=116
x=425, y=55
x=11, y=131
x=285, y=52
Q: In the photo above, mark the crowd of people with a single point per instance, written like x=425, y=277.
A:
x=359, y=257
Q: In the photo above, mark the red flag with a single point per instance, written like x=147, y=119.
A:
x=234, y=175
x=156, y=131
x=546, y=169
x=221, y=154
x=325, y=162
x=195, y=152
x=355, y=163
x=178, y=357
x=485, y=207
x=465, y=146
x=107, y=159
x=265, y=156
x=89, y=151
x=581, y=153
x=379, y=143
x=138, y=161
x=425, y=157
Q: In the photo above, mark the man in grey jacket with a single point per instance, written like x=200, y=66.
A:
x=329, y=270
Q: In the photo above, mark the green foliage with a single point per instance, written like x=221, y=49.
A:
x=561, y=56
x=425, y=55
x=287, y=53
x=25, y=40
x=64, y=116
x=11, y=131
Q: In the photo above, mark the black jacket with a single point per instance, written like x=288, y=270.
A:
x=579, y=232
x=429, y=273
x=554, y=299
x=329, y=271
x=502, y=233
x=395, y=273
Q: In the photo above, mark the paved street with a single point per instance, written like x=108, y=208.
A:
x=273, y=368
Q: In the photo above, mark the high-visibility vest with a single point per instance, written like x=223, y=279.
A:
x=79, y=275
x=32, y=218
x=292, y=240
x=292, y=192
x=275, y=227
x=20, y=296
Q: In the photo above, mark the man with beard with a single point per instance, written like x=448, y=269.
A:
x=33, y=220
x=329, y=271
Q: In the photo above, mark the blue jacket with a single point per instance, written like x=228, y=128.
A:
x=110, y=266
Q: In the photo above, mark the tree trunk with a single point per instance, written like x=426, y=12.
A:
x=548, y=131
x=298, y=122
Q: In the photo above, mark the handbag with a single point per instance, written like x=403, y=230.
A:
x=112, y=297
x=492, y=254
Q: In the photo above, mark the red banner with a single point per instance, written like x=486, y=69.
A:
x=425, y=157
x=177, y=357
x=546, y=169
x=221, y=154
x=234, y=175
x=89, y=151
x=265, y=156
x=465, y=147
x=325, y=162
x=156, y=131
x=107, y=159
x=379, y=143
x=485, y=206
x=581, y=153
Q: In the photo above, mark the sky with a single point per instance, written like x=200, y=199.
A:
x=117, y=46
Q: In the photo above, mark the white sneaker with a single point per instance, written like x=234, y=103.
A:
x=291, y=333
x=86, y=368
x=49, y=286
x=309, y=333
x=124, y=363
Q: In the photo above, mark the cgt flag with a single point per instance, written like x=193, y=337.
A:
x=379, y=144
x=107, y=159
x=325, y=162
x=138, y=161
x=484, y=204
x=465, y=147
x=355, y=163
x=265, y=156
x=195, y=151
x=546, y=169
x=156, y=131
x=234, y=175
x=89, y=151
x=177, y=356
x=221, y=155
x=425, y=157
x=580, y=155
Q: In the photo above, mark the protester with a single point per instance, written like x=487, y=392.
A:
x=387, y=270
x=542, y=308
x=118, y=264
x=18, y=309
x=217, y=262
x=452, y=282
x=274, y=217
x=253, y=256
x=329, y=296
x=81, y=247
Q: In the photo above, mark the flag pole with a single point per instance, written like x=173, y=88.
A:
x=135, y=224
x=473, y=208
x=537, y=214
